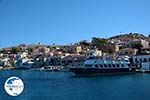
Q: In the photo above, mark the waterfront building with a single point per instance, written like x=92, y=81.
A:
x=73, y=60
x=145, y=50
x=1, y=55
x=54, y=61
x=5, y=62
x=22, y=54
x=127, y=51
x=38, y=61
x=73, y=49
x=7, y=50
x=110, y=48
x=141, y=61
x=95, y=52
x=23, y=63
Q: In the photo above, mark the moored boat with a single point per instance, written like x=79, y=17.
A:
x=96, y=66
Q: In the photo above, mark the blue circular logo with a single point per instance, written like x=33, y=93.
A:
x=14, y=86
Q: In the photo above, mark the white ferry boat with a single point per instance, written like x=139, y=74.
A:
x=97, y=66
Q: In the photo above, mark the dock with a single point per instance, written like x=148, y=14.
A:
x=143, y=71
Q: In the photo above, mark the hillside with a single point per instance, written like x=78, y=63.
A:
x=128, y=37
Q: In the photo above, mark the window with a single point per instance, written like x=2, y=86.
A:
x=101, y=66
x=118, y=65
x=140, y=60
x=136, y=60
x=105, y=65
x=113, y=65
x=96, y=66
x=145, y=60
x=109, y=65
x=88, y=65
x=122, y=65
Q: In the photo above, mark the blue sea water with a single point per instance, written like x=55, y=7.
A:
x=41, y=85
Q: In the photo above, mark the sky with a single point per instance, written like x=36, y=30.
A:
x=69, y=21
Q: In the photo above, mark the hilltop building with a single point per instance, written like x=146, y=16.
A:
x=144, y=43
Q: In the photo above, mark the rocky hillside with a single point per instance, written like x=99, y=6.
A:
x=130, y=36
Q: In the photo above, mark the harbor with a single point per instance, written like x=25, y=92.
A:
x=74, y=50
x=94, y=65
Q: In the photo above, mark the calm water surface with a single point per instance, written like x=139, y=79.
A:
x=62, y=86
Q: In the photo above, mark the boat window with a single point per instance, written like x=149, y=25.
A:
x=136, y=60
x=145, y=60
x=96, y=66
x=122, y=65
x=91, y=58
x=140, y=59
x=109, y=65
x=149, y=59
x=23, y=64
x=88, y=65
x=105, y=65
x=117, y=65
x=101, y=65
x=113, y=65
x=69, y=61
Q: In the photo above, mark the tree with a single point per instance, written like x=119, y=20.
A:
x=99, y=41
x=137, y=46
x=84, y=43
x=15, y=50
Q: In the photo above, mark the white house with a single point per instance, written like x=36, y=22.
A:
x=127, y=51
x=142, y=61
x=24, y=63
x=22, y=55
x=5, y=62
x=144, y=43
x=94, y=53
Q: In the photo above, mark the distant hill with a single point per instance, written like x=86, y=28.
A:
x=128, y=37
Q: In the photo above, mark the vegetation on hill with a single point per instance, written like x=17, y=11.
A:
x=130, y=36
x=15, y=50
x=99, y=41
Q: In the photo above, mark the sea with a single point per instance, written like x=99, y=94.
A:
x=41, y=85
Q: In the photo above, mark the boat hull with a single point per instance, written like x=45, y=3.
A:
x=97, y=71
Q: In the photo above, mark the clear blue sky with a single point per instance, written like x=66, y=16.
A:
x=67, y=21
